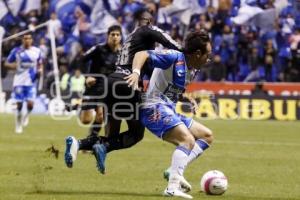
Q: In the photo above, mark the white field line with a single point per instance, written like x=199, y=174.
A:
x=245, y=142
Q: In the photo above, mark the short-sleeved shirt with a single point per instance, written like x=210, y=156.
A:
x=28, y=61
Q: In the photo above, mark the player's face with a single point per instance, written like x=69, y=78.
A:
x=197, y=59
x=114, y=38
x=27, y=41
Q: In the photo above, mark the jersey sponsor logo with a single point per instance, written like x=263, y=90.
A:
x=180, y=73
x=172, y=92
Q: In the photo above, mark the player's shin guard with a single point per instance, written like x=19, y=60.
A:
x=199, y=147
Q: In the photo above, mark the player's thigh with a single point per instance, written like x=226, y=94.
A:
x=180, y=135
x=199, y=131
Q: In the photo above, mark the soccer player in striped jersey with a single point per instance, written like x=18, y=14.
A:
x=27, y=61
x=157, y=112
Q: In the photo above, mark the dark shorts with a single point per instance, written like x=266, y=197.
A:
x=121, y=101
x=93, y=96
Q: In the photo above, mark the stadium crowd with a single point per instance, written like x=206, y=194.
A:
x=245, y=48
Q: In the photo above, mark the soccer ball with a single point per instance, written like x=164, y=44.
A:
x=214, y=182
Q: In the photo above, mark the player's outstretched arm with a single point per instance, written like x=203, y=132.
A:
x=138, y=61
x=12, y=65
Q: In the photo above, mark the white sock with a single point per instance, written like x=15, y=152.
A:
x=179, y=162
x=19, y=118
x=199, y=147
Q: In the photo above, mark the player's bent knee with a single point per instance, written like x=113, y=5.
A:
x=209, y=137
x=86, y=119
x=29, y=105
x=188, y=141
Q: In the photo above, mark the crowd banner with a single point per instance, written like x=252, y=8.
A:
x=234, y=88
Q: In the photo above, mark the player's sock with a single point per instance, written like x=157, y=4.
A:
x=87, y=143
x=19, y=128
x=25, y=119
x=179, y=160
x=95, y=129
x=178, y=165
x=200, y=146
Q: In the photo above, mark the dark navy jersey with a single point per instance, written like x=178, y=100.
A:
x=143, y=38
x=102, y=59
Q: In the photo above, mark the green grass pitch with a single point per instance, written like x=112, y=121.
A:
x=261, y=160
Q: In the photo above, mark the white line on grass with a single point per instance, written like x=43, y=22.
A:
x=256, y=143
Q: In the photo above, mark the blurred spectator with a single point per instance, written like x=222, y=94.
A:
x=44, y=48
x=57, y=27
x=77, y=83
x=65, y=79
x=259, y=90
x=253, y=62
x=216, y=70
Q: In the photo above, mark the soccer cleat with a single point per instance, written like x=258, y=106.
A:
x=99, y=151
x=71, y=151
x=184, y=185
x=25, y=120
x=176, y=193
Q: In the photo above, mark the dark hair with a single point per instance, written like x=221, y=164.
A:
x=196, y=40
x=114, y=28
x=140, y=14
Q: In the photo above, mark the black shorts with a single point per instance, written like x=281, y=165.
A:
x=93, y=96
x=121, y=101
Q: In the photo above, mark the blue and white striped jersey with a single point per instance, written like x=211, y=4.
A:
x=28, y=61
x=169, y=79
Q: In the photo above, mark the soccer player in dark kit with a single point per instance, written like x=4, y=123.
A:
x=144, y=37
x=102, y=58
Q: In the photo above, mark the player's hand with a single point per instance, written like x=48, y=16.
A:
x=90, y=81
x=195, y=105
x=133, y=80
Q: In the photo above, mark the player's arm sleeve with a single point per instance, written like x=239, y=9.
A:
x=162, y=59
x=12, y=56
x=158, y=35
